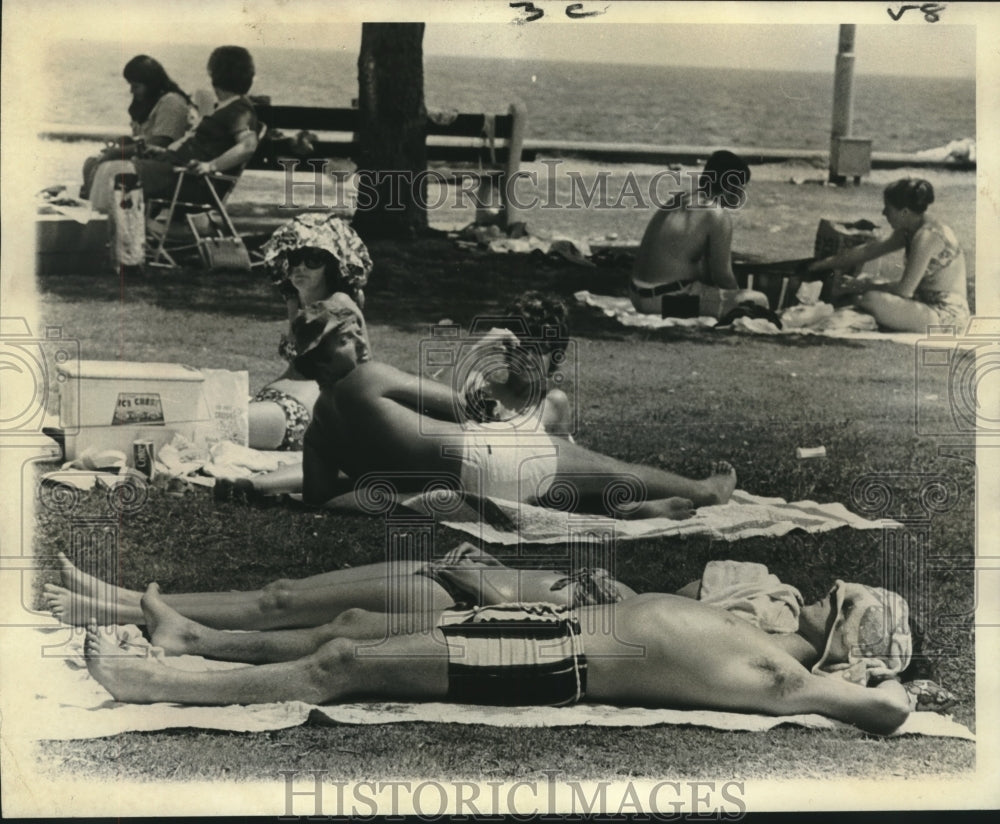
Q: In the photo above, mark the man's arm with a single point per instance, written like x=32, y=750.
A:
x=881, y=709
x=425, y=395
x=720, y=250
x=320, y=474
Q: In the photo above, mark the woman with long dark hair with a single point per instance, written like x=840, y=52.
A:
x=160, y=111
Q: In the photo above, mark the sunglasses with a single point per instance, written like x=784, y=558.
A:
x=309, y=257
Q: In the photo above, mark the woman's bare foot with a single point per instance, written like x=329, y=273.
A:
x=78, y=581
x=76, y=610
x=676, y=509
x=127, y=677
x=721, y=482
x=168, y=629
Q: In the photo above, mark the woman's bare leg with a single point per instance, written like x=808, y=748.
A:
x=897, y=313
x=266, y=425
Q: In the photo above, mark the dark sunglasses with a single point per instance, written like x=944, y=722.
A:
x=309, y=257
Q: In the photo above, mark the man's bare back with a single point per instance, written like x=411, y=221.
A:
x=684, y=242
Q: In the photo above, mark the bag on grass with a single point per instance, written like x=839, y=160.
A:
x=127, y=223
x=226, y=253
x=226, y=394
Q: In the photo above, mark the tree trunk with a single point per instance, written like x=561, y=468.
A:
x=392, y=153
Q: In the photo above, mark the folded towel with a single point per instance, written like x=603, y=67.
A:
x=752, y=593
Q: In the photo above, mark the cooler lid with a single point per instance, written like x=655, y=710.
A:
x=130, y=371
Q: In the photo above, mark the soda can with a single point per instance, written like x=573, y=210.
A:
x=143, y=457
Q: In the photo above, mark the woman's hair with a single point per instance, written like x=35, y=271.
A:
x=231, y=69
x=909, y=193
x=144, y=69
x=545, y=316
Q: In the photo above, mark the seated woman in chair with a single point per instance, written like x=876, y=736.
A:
x=372, y=418
x=223, y=141
x=161, y=113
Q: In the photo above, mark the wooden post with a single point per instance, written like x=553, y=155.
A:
x=513, y=164
x=843, y=95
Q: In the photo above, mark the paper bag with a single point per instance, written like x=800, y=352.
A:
x=227, y=395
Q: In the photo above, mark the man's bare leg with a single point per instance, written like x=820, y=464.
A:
x=178, y=635
x=409, y=667
x=667, y=494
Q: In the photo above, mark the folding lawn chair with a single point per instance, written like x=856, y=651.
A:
x=201, y=201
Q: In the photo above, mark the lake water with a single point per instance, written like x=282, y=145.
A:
x=565, y=100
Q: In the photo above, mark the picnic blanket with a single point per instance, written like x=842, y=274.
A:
x=842, y=323
x=497, y=521
x=61, y=701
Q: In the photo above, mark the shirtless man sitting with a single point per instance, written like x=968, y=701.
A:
x=651, y=650
x=687, y=244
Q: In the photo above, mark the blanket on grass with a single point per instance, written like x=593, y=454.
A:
x=496, y=521
x=844, y=323
x=62, y=702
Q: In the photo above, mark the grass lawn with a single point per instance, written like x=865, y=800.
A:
x=671, y=398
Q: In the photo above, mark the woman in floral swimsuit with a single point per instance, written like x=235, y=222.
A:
x=932, y=291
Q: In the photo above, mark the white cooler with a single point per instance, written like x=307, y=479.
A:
x=110, y=404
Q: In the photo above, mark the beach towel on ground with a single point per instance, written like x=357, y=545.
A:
x=745, y=516
x=61, y=701
x=841, y=323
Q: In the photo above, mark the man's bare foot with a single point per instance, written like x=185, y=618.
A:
x=72, y=608
x=76, y=610
x=168, y=629
x=676, y=509
x=127, y=677
x=78, y=581
x=721, y=482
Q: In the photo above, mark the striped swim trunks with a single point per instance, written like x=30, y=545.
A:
x=514, y=655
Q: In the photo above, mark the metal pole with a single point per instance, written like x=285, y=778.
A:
x=843, y=95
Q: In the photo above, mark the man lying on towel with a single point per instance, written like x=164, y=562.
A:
x=650, y=650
